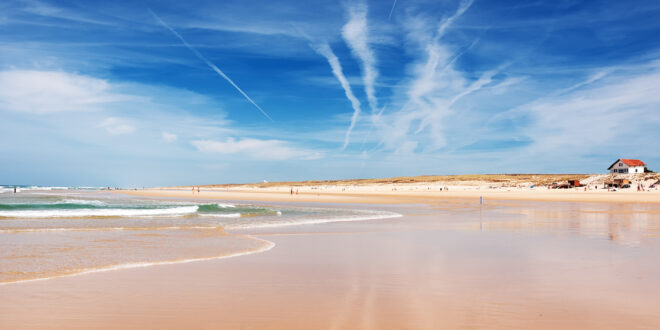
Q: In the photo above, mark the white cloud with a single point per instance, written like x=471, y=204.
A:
x=433, y=92
x=255, y=148
x=614, y=114
x=48, y=10
x=44, y=92
x=169, y=137
x=356, y=35
x=447, y=22
x=117, y=126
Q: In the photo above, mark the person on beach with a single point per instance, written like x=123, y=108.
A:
x=197, y=190
x=14, y=190
x=291, y=191
x=193, y=190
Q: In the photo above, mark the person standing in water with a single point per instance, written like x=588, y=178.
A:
x=14, y=190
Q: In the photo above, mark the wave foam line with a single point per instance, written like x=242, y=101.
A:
x=220, y=215
x=269, y=245
x=40, y=230
x=225, y=205
x=313, y=221
x=83, y=202
x=98, y=212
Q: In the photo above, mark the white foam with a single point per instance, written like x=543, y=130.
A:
x=268, y=245
x=225, y=205
x=44, y=188
x=83, y=201
x=174, y=211
x=221, y=215
x=65, y=229
x=312, y=221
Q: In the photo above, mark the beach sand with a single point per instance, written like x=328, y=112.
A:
x=404, y=194
x=520, y=260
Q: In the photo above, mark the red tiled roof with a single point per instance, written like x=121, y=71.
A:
x=633, y=162
x=629, y=162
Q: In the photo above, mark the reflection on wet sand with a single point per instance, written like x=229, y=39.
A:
x=622, y=223
x=443, y=265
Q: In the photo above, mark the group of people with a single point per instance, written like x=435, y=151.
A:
x=193, y=190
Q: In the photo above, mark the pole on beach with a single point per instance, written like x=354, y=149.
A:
x=481, y=223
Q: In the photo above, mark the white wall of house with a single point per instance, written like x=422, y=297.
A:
x=622, y=167
x=636, y=169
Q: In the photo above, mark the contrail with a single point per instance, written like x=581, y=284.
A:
x=325, y=50
x=209, y=63
x=462, y=7
x=391, y=10
x=356, y=34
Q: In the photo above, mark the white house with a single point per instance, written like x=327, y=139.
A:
x=627, y=166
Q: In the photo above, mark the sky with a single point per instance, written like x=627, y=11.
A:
x=148, y=93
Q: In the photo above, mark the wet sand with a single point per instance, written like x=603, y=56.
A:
x=446, y=264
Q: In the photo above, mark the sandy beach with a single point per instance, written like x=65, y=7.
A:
x=402, y=193
x=541, y=259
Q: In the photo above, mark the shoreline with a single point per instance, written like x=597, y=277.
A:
x=415, y=194
x=269, y=245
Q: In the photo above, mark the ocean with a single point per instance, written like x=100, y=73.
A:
x=48, y=232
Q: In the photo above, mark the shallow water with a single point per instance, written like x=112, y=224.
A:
x=54, y=233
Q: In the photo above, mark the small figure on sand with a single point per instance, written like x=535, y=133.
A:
x=197, y=190
x=14, y=190
x=193, y=190
x=291, y=191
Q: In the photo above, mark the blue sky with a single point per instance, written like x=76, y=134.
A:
x=140, y=93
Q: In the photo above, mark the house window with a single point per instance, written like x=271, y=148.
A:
x=620, y=164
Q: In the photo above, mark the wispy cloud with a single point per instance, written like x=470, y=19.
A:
x=356, y=35
x=47, y=10
x=44, y=92
x=434, y=90
x=447, y=22
x=607, y=117
x=117, y=126
x=325, y=50
x=209, y=63
x=169, y=137
x=256, y=149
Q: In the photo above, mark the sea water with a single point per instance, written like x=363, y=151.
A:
x=52, y=232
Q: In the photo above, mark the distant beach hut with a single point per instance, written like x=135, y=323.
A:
x=627, y=166
x=617, y=183
x=574, y=183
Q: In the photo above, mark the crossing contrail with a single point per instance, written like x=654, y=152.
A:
x=209, y=63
